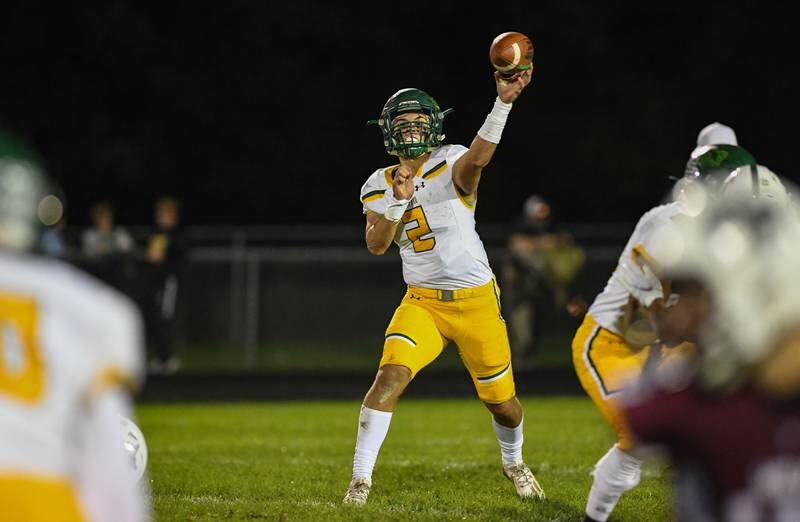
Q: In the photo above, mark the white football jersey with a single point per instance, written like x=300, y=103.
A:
x=634, y=276
x=439, y=245
x=64, y=338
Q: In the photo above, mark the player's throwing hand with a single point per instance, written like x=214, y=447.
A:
x=403, y=185
x=509, y=90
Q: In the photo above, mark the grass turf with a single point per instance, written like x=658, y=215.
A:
x=440, y=461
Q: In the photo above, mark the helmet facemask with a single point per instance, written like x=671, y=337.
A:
x=413, y=136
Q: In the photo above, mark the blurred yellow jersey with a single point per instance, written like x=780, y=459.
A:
x=64, y=338
x=438, y=242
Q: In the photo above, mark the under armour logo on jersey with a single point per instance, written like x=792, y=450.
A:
x=421, y=185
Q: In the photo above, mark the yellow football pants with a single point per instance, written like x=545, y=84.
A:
x=427, y=320
x=37, y=499
x=605, y=363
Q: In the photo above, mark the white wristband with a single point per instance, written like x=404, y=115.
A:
x=395, y=208
x=492, y=128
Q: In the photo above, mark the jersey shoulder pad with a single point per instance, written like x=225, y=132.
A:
x=451, y=153
x=376, y=185
x=113, y=324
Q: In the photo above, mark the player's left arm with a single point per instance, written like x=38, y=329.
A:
x=467, y=170
x=107, y=488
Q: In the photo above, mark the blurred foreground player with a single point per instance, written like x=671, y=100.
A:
x=69, y=351
x=426, y=205
x=734, y=429
x=620, y=329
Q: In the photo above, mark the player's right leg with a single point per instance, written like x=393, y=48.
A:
x=604, y=362
x=412, y=341
x=485, y=351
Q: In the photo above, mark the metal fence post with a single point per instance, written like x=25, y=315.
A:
x=251, y=315
x=238, y=253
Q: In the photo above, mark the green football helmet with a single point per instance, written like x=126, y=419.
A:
x=411, y=139
x=705, y=174
x=23, y=195
x=713, y=163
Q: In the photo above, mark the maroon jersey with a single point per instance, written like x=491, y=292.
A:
x=747, y=448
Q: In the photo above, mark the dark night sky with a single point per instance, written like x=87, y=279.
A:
x=254, y=112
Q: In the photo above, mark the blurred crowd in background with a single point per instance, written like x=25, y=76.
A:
x=146, y=266
x=147, y=263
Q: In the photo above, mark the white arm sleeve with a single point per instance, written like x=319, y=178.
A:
x=108, y=489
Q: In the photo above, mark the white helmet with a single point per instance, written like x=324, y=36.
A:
x=755, y=182
x=716, y=134
x=745, y=249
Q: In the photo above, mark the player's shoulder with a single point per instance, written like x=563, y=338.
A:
x=78, y=288
x=662, y=212
x=658, y=216
x=379, y=180
x=106, y=323
x=64, y=289
x=113, y=322
x=449, y=153
x=655, y=232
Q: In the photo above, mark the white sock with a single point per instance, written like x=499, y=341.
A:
x=510, y=440
x=372, y=428
x=614, y=474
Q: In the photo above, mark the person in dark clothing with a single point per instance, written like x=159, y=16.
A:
x=164, y=255
x=541, y=265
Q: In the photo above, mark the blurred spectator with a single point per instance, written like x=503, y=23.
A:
x=53, y=242
x=104, y=238
x=165, y=255
x=107, y=250
x=542, y=263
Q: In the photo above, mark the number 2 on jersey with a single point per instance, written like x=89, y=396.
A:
x=415, y=234
x=21, y=365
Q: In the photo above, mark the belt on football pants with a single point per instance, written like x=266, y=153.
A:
x=452, y=295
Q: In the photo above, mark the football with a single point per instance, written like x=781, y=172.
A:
x=511, y=53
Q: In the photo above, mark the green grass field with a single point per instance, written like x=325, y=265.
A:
x=440, y=461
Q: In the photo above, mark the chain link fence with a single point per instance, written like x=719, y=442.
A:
x=313, y=298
